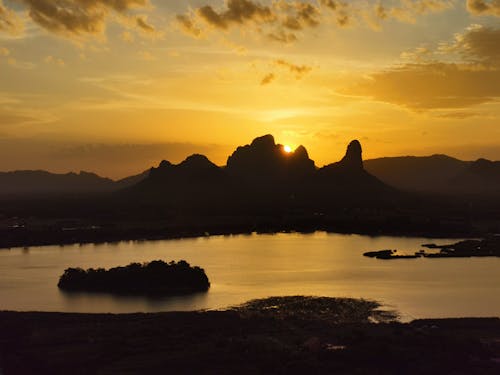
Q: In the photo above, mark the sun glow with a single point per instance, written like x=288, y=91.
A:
x=287, y=149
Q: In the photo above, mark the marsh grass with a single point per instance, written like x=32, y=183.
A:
x=326, y=309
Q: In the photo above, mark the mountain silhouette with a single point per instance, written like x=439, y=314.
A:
x=349, y=174
x=22, y=183
x=437, y=174
x=265, y=160
x=260, y=176
x=481, y=176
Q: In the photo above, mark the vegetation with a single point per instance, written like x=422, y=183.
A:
x=156, y=277
x=326, y=309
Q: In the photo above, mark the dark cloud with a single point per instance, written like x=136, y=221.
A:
x=298, y=70
x=406, y=10
x=480, y=43
x=275, y=18
x=238, y=12
x=188, y=26
x=282, y=20
x=143, y=25
x=78, y=17
x=282, y=37
x=301, y=15
x=484, y=7
x=268, y=79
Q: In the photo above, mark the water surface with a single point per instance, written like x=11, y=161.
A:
x=256, y=266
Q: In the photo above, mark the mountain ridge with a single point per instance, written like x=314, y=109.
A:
x=265, y=159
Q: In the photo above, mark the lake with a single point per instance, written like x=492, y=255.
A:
x=245, y=267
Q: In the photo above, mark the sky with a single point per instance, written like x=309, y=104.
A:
x=116, y=86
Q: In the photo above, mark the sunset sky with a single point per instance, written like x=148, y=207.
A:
x=115, y=86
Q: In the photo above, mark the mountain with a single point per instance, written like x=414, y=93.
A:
x=413, y=173
x=437, y=173
x=265, y=160
x=481, y=176
x=350, y=172
x=260, y=176
x=22, y=183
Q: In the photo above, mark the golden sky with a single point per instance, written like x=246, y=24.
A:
x=114, y=86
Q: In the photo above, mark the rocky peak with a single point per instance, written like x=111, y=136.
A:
x=353, y=158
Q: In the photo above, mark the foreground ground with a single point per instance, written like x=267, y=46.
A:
x=278, y=336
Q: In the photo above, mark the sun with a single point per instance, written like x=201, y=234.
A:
x=287, y=149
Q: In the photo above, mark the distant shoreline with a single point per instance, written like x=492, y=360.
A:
x=95, y=237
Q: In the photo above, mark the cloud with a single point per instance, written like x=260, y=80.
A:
x=477, y=43
x=278, y=21
x=459, y=115
x=80, y=17
x=431, y=86
x=282, y=20
x=187, y=25
x=458, y=74
x=9, y=21
x=268, y=79
x=408, y=10
x=484, y=7
x=238, y=12
x=282, y=37
x=142, y=23
x=298, y=70
x=302, y=15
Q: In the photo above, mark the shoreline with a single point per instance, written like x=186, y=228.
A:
x=39, y=241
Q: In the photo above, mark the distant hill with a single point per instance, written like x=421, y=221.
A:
x=437, y=173
x=41, y=182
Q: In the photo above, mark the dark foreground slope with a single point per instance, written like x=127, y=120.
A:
x=254, y=340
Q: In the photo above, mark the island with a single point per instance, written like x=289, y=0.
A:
x=389, y=254
x=156, y=278
x=487, y=247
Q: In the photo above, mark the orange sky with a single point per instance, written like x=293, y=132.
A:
x=116, y=86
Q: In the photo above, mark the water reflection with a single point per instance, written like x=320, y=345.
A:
x=75, y=300
x=245, y=267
